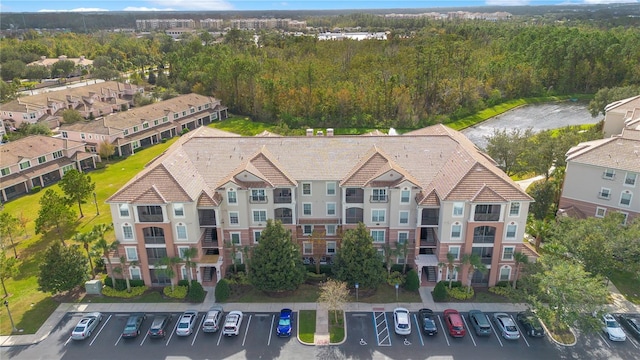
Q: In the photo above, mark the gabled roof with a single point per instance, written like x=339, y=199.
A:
x=33, y=146
x=373, y=167
x=487, y=195
x=618, y=152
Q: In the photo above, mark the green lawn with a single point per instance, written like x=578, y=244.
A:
x=307, y=325
x=248, y=294
x=387, y=294
x=336, y=329
x=627, y=285
x=242, y=125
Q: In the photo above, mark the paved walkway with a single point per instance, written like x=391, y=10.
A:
x=619, y=305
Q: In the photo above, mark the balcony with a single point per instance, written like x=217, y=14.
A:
x=150, y=214
x=354, y=196
x=154, y=240
x=486, y=260
x=207, y=217
x=285, y=215
x=430, y=217
x=354, y=216
x=210, y=238
x=258, y=199
x=378, y=199
x=150, y=218
x=487, y=213
x=428, y=237
x=282, y=196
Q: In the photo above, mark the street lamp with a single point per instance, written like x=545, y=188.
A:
x=357, y=286
x=95, y=201
x=397, y=286
x=13, y=326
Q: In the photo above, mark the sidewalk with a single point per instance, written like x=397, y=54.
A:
x=619, y=305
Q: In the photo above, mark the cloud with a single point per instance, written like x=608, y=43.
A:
x=143, y=8
x=75, y=10
x=608, y=1
x=195, y=4
x=507, y=2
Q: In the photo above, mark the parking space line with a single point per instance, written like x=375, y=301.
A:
x=173, y=332
x=273, y=318
x=520, y=331
x=494, y=330
x=444, y=330
x=633, y=342
x=219, y=338
x=117, y=341
x=146, y=334
x=246, y=330
x=99, y=331
x=415, y=318
x=198, y=329
x=469, y=330
x=605, y=340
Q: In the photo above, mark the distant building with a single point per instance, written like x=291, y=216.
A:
x=80, y=62
x=212, y=24
x=162, y=24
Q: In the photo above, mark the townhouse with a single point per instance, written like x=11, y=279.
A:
x=214, y=191
x=39, y=161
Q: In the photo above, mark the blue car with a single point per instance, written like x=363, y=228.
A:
x=284, y=323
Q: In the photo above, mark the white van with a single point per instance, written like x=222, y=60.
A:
x=212, y=319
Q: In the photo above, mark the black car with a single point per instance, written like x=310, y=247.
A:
x=159, y=326
x=530, y=324
x=132, y=327
x=427, y=321
x=631, y=324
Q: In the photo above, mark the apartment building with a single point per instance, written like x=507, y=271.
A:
x=430, y=188
x=156, y=24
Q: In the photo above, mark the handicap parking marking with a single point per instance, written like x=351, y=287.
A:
x=382, y=328
x=99, y=331
x=273, y=319
x=415, y=318
x=494, y=330
x=523, y=335
x=444, y=330
x=246, y=330
x=469, y=330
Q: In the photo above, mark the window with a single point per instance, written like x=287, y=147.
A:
x=331, y=209
x=511, y=231
x=307, y=248
x=235, y=238
x=65, y=135
x=5, y=171
x=507, y=253
x=380, y=252
x=181, y=230
x=176, y=115
x=234, y=218
x=165, y=119
x=379, y=195
x=456, y=230
x=183, y=271
x=259, y=216
x=505, y=273
x=452, y=274
x=405, y=196
x=184, y=113
x=404, y=217
x=232, y=197
x=625, y=217
x=306, y=189
x=135, y=129
x=330, y=229
x=66, y=169
x=132, y=253
x=306, y=209
x=331, y=247
x=145, y=125
x=609, y=174
x=25, y=165
x=182, y=250
x=156, y=122
x=125, y=132
x=458, y=209
x=178, y=210
x=378, y=215
x=258, y=195
x=600, y=212
x=127, y=231
x=455, y=251
x=331, y=188
x=134, y=271
x=82, y=136
x=256, y=235
x=42, y=159
x=124, y=210
x=403, y=237
x=604, y=193
x=625, y=198
x=192, y=110
x=630, y=179
x=307, y=229
x=378, y=236
x=514, y=209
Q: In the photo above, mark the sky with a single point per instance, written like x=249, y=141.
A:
x=239, y=5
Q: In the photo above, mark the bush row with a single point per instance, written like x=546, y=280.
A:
x=135, y=291
x=178, y=292
x=121, y=284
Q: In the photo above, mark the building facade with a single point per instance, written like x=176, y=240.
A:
x=214, y=191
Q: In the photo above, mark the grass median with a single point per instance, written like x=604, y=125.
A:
x=307, y=326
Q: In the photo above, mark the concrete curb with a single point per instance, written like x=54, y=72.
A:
x=344, y=324
x=550, y=337
x=298, y=332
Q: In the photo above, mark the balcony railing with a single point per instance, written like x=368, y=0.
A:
x=150, y=218
x=282, y=199
x=378, y=199
x=484, y=239
x=485, y=260
x=285, y=219
x=259, y=199
x=154, y=240
x=486, y=217
x=354, y=219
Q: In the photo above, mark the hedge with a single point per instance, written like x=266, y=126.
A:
x=223, y=290
x=412, y=282
x=178, y=292
x=196, y=292
x=439, y=293
x=135, y=291
x=121, y=284
x=460, y=293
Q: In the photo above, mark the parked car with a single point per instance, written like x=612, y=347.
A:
x=186, y=323
x=612, y=328
x=479, y=323
x=132, y=327
x=427, y=320
x=454, y=322
x=212, y=319
x=506, y=326
x=159, y=325
x=402, y=321
x=284, y=323
x=232, y=323
x=86, y=326
x=530, y=324
x=631, y=323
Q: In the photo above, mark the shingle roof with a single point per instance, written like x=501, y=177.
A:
x=619, y=152
x=33, y=146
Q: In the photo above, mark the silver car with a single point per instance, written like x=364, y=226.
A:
x=86, y=326
x=186, y=323
x=402, y=321
x=506, y=326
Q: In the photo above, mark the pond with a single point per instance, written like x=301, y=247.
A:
x=538, y=117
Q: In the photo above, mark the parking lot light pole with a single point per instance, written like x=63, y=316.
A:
x=357, y=286
x=95, y=201
x=397, y=286
x=13, y=326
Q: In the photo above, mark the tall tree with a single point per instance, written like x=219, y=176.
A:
x=77, y=186
x=86, y=239
x=473, y=263
x=8, y=269
x=357, y=261
x=167, y=266
x=123, y=270
x=63, y=268
x=276, y=263
x=187, y=257
x=103, y=246
x=8, y=225
x=520, y=260
x=106, y=149
x=54, y=214
x=506, y=148
x=71, y=116
x=335, y=294
x=539, y=229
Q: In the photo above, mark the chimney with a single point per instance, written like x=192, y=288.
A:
x=330, y=132
x=319, y=133
x=309, y=132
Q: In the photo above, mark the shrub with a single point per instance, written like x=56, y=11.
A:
x=314, y=278
x=230, y=269
x=503, y=284
x=239, y=278
x=183, y=282
x=135, y=291
x=460, y=293
x=439, y=293
x=396, y=277
x=164, y=140
x=35, y=189
x=412, y=282
x=223, y=290
x=324, y=269
x=196, y=292
x=398, y=267
x=121, y=284
x=505, y=291
x=178, y=292
x=184, y=131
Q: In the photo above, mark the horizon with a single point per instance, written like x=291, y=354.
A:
x=64, y=6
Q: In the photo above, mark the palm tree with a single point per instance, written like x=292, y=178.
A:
x=388, y=252
x=167, y=267
x=86, y=239
x=102, y=245
x=520, y=260
x=451, y=267
x=475, y=264
x=188, y=256
x=539, y=229
x=123, y=270
x=402, y=249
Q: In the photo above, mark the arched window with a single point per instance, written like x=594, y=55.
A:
x=505, y=273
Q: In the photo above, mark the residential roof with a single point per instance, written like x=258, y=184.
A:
x=619, y=152
x=437, y=159
x=33, y=146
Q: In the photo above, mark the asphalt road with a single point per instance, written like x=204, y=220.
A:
x=370, y=336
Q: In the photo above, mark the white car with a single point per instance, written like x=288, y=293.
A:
x=402, y=321
x=186, y=323
x=86, y=326
x=232, y=323
x=612, y=328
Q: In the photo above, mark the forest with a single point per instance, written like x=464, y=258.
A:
x=442, y=72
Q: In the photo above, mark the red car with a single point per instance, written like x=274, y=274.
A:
x=454, y=323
